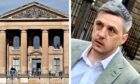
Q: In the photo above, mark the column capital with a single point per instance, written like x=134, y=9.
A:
x=45, y=30
x=2, y=31
x=66, y=30
x=23, y=31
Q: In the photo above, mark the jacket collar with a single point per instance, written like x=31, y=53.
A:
x=77, y=51
x=112, y=71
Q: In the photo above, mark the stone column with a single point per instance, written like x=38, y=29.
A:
x=23, y=52
x=2, y=52
x=7, y=53
x=44, y=59
x=66, y=51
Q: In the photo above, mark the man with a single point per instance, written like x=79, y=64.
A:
x=12, y=72
x=101, y=61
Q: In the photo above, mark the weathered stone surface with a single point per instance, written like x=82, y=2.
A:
x=34, y=12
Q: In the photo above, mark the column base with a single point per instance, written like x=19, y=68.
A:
x=23, y=76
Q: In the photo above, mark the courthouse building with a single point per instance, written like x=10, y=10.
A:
x=34, y=42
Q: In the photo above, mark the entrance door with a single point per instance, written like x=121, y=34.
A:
x=36, y=67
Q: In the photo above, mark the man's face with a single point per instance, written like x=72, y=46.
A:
x=107, y=33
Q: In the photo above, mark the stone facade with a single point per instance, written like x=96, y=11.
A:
x=27, y=44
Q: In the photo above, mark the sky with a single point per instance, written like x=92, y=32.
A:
x=7, y=5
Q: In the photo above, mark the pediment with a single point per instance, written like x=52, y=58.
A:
x=35, y=53
x=34, y=10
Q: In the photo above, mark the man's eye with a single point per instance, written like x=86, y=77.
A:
x=99, y=23
x=112, y=30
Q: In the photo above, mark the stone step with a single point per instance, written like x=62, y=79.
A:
x=14, y=81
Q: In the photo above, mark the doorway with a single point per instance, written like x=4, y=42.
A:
x=36, y=67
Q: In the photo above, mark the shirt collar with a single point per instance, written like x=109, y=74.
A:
x=84, y=55
x=104, y=62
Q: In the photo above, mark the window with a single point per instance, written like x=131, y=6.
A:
x=36, y=42
x=16, y=65
x=56, y=63
x=56, y=42
x=16, y=42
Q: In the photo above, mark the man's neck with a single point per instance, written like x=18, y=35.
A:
x=94, y=56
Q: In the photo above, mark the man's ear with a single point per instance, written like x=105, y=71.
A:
x=124, y=38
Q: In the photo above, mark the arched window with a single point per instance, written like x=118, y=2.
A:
x=36, y=42
x=56, y=42
x=16, y=42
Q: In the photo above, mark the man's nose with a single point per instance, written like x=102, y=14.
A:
x=102, y=33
